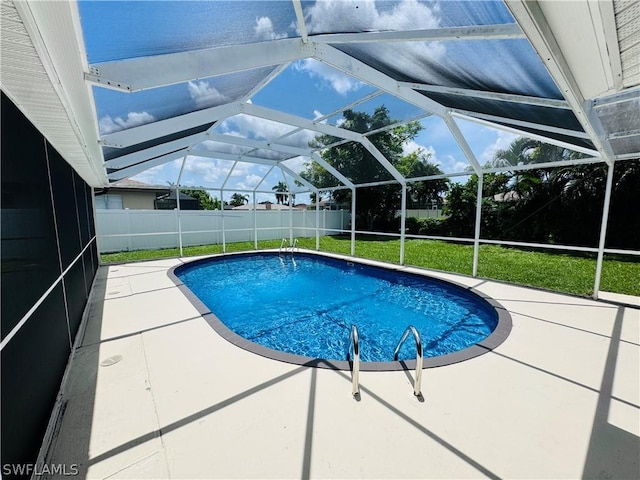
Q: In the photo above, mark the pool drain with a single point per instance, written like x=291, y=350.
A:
x=107, y=362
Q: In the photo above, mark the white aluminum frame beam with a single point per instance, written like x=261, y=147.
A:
x=258, y=144
x=231, y=156
x=132, y=170
x=264, y=82
x=332, y=170
x=295, y=121
x=224, y=184
x=302, y=27
x=231, y=139
x=502, y=97
x=541, y=166
x=517, y=131
x=143, y=73
x=156, y=151
x=358, y=69
x=397, y=124
x=479, y=32
x=530, y=17
x=383, y=160
x=161, y=128
x=264, y=177
x=136, y=74
x=521, y=123
x=299, y=178
x=355, y=68
x=462, y=142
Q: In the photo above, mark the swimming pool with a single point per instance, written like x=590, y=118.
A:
x=297, y=308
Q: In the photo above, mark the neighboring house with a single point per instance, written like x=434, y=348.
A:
x=134, y=195
x=129, y=194
x=510, y=196
x=168, y=202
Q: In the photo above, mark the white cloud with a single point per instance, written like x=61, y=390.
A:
x=339, y=81
x=264, y=29
x=206, y=172
x=355, y=15
x=410, y=147
x=459, y=166
x=429, y=151
x=296, y=164
x=205, y=95
x=503, y=140
x=107, y=124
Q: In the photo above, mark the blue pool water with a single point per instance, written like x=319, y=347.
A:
x=306, y=306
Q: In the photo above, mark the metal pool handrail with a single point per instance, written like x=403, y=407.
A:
x=294, y=245
x=282, y=243
x=354, y=343
x=416, y=336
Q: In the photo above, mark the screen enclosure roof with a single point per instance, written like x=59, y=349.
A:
x=123, y=87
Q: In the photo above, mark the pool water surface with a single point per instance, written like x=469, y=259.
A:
x=305, y=305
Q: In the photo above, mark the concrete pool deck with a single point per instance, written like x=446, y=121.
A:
x=154, y=392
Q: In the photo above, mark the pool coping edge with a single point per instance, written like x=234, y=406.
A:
x=497, y=337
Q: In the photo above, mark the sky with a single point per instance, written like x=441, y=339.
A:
x=306, y=88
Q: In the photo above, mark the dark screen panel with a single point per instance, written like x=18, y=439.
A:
x=33, y=363
x=65, y=206
x=29, y=251
x=89, y=195
x=76, y=290
x=81, y=202
x=89, y=268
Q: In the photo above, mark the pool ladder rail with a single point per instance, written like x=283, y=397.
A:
x=290, y=248
x=416, y=336
x=354, y=346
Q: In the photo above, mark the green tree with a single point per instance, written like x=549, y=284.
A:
x=238, y=199
x=423, y=193
x=549, y=205
x=375, y=206
x=280, y=188
x=205, y=202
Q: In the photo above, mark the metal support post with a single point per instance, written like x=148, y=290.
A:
x=403, y=218
x=353, y=221
x=224, y=240
x=179, y=220
x=318, y=221
x=476, y=236
x=255, y=222
x=603, y=229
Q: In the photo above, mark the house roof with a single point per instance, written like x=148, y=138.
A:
x=129, y=184
x=565, y=72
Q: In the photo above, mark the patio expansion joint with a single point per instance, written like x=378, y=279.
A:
x=155, y=405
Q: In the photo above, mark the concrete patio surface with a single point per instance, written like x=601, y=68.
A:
x=154, y=392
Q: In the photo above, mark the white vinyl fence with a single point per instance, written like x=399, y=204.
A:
x=127, y=230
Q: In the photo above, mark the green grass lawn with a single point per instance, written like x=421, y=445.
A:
x=554, y=271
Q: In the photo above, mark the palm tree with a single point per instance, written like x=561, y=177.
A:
x=279, y=189
x=237, y=199
x=519, y=152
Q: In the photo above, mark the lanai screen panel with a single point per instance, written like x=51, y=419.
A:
x=353, y=16
x=122, y=110
x=138, y=28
